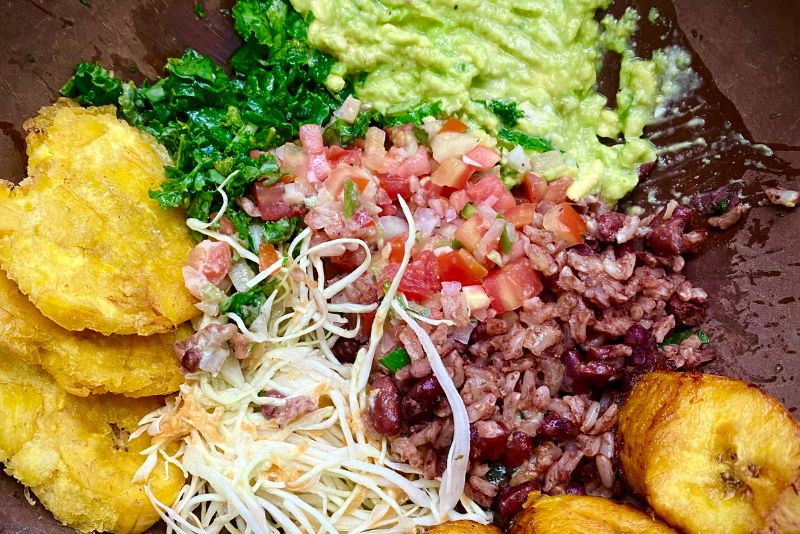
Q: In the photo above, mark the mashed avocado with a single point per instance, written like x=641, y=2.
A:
x=544, y=54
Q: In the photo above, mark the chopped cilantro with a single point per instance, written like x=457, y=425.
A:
x=683, y=334
x=528, y=142
x=199, y=10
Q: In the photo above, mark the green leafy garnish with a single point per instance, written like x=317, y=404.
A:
x=396, y=360
x=506, y=111
x=682, y=334
x=722, y=206
x=414, y=115
x=351, y=198
x=505, y=240
x=247, y=304
x=497, y=473
x=282, y=230
x=528, y=142
x=92, y=85
x=199, y=10
x=468, y=211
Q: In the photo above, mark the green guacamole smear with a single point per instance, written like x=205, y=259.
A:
x=542, y=54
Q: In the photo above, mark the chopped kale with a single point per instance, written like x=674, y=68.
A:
x=506, y=111
x=528, y=142
x=92, y=85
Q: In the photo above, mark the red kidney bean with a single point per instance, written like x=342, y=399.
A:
x=510, y=499
x=666, y=237
x=346, y=350
x=487, y=440
x=557, y=428
x=417, y=405
x=686, y=313
x=518, y=449
x=608, y=224
x=191, y=359
x=384, y=406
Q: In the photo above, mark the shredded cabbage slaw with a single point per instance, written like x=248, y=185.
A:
x=321, y=472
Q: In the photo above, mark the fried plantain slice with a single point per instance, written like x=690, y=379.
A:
x=86, y=363
x=74, y=453
x=712, y=454
x=582, y=514
x=82, y=238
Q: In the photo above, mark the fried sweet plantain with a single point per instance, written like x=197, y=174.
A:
x=581, y=514
x=712, y=454
x=74, y=453
x=82, y=238
x=464, y=527
x=86, y=363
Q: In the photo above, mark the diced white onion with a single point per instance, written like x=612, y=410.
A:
x=392, y=226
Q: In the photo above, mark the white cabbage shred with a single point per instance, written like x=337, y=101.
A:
x=321, y=472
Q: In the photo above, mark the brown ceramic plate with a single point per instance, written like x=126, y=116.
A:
x=747, y=52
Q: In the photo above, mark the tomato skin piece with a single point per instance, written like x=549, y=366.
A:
x=520, y=215
x=535, y=186
x=397, y=247
x=420, y=279
x=270, y=202
x=485, y=157
x=452, y=173
x=492, y=186
x=460, y=266
x=395, y=186
x=267, y=255
x=511, y=285
x=565, y=223
x=470, y=233
x=452, y=124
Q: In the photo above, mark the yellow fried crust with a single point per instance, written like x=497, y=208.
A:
x=582, y=514
x=74, y=452
x=80, y=235
x=464, y=527
x=86, y=363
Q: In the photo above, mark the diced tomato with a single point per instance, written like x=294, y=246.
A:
x=271, y=204
x=565, y=223
x=388, y=209
x=535, y=186
x=492, y=186
x=452, y=173
x=459, y=199
x=460, y=266
x=397, y=247
x=225, y=225
x=338, y=155
x=470, y=233
x=520, y=215
x=311, y=138
x=454, y=125
x=419, y=164
x=267, y=255
x=366, y=323
x=482, y=157
x=212, y=259
x=511, y=285
x=557, y=190
x=420, y=280
x=394, y=186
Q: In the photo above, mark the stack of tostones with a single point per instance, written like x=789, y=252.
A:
x=91, y=301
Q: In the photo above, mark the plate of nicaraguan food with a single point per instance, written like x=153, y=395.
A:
x=399, y=266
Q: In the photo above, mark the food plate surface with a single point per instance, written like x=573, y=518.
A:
x=746, y=52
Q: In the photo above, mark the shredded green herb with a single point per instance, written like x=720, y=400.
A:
x=681, y=334
x=528, y=142
x=414, y=115
x=497, y=473
x=396, y=360
x=506, y=111
x=199, y=10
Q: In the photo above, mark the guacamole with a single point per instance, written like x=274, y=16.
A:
x=544, y=54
